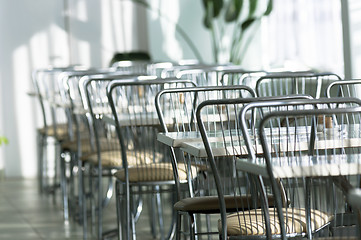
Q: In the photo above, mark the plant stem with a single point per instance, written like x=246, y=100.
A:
x=214, y=44
x=248, y=42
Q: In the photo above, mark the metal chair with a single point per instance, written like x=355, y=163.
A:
x=280, y=84
x=104, y=156
x=193, y=194
x=241, y=77
x=344, y=88
x=331, y=161
x=208, y=75
x=116, y=112
x=183, y=65
x=56, y=125
x=287, y=141
x=256, y=218
x=80, y=143
x=186, y=146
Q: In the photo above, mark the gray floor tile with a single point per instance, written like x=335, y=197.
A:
x=25, y=214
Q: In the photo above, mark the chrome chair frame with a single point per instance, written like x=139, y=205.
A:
x=343, y=184
x=127, y=185
x=294, y=83
x=249, y=141
x=211, y=156
x=188, y=122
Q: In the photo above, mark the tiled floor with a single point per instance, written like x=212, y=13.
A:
x=25, y=214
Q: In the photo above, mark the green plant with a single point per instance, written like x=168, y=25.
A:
x=221, y=17
x=3, y=140
x=232, y=16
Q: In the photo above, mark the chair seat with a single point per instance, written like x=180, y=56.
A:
x=252, y=222
x=210, y=204
x=154, y=172
x=112, y=158
x=86, y=147
x=61, y=131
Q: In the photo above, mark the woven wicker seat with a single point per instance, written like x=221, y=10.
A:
x=112, y=158
x=210, y=204
x=252, y=223
x=154, y=172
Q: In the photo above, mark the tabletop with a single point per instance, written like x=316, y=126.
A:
x=231, y=142
x=304, y=166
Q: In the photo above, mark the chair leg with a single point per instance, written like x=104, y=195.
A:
x=92, y=202
x=109, y=191
x=152, y=215
x=208, y=223
x=100, y=205
x=64, y=188
x=118, y=202
x=55, y=184
x=73, y=205
x=134, y=234
x=139, y=208
x=160, y=212
x=44, y=166
x=130, y=218
x=174, y=225
x=192, y=227
x=82, y=200
x=40, y=144
x=178, y=225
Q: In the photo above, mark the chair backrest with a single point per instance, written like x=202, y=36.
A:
x=280, y=84
x=318, y=167
x=136, y=122
x=241, y=77
x=53, y=102
x=231, y=144
x=93, y=90
x=344, y=88
x=157, y=68
x=73, y=95
x=261, y=108
x=207, y=75
x=292, y=133
x=183, y=65
x=223, y=146
x=180, y=106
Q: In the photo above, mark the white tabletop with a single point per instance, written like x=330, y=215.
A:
x=304, y=166
x=178, y=139
x=231, y=142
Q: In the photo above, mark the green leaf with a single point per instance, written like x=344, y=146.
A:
x=215, y=5
x=234, y=8
x=252, y=7
x=3, y=140
x=246, y=24
x=269, y=8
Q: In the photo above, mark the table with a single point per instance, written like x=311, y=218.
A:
x=304, y=166
x=232, y=143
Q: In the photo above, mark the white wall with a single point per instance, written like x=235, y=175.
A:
x=355, y=37
x=30, y=34
x=33, y=36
